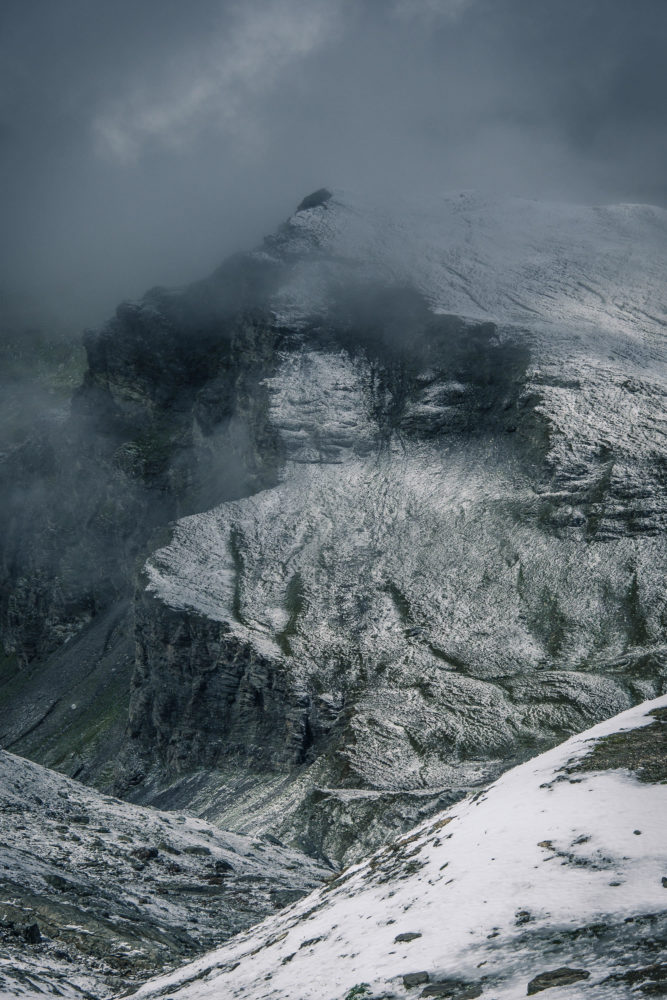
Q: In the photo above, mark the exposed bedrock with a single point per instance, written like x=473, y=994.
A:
x=200, y=697
x=169, y=419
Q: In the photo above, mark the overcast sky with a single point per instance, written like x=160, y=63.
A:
x=144, y=140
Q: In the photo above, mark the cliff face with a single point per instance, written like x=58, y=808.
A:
x=417, y=459
x=82, y=493
x=168, y=420
x=199, y=693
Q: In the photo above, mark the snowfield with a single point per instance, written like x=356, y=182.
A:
x=553, y=867
x=513, y=261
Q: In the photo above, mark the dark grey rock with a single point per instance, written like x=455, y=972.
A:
x=556, y=977
x=314, y=200
x=144, y=853
x=647, y=980
x=453, y=989
x=412, y=979
x=31, y=934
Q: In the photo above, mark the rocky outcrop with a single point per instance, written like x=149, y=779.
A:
x=201, y=697
x=170, y=418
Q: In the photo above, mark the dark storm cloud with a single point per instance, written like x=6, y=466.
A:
x=142, y=141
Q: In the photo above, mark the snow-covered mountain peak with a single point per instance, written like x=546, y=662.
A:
x=506, y=260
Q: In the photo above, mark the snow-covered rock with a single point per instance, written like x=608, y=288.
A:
x=555, y=875
x=96, y=894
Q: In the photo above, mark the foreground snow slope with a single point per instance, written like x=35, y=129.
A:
x=96, y=894
x=559, y=865
x=464, y=557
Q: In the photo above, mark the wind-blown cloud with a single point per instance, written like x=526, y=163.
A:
x=215, y=85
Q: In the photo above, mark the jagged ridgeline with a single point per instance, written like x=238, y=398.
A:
x=353, y=524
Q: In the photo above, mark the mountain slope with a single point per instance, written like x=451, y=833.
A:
x=96, y=894
x=553, y=876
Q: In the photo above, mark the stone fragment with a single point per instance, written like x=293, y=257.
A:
x=453, y=989
x=31, y=934
x=415, y=979
x=556, y=977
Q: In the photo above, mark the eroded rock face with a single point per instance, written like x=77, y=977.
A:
x=216, y=698
x=170, y=418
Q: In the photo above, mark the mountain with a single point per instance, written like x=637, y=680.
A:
x=97, y=895
x=415, y=459
x=554, y=876
x=462, y=557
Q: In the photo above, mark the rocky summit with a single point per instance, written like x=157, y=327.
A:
x=335, y=536
x=462, y=556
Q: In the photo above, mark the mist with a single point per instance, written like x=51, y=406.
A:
x=142, y=142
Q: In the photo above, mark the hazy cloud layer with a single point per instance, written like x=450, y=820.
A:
x=216, y=81
x=142, y=140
